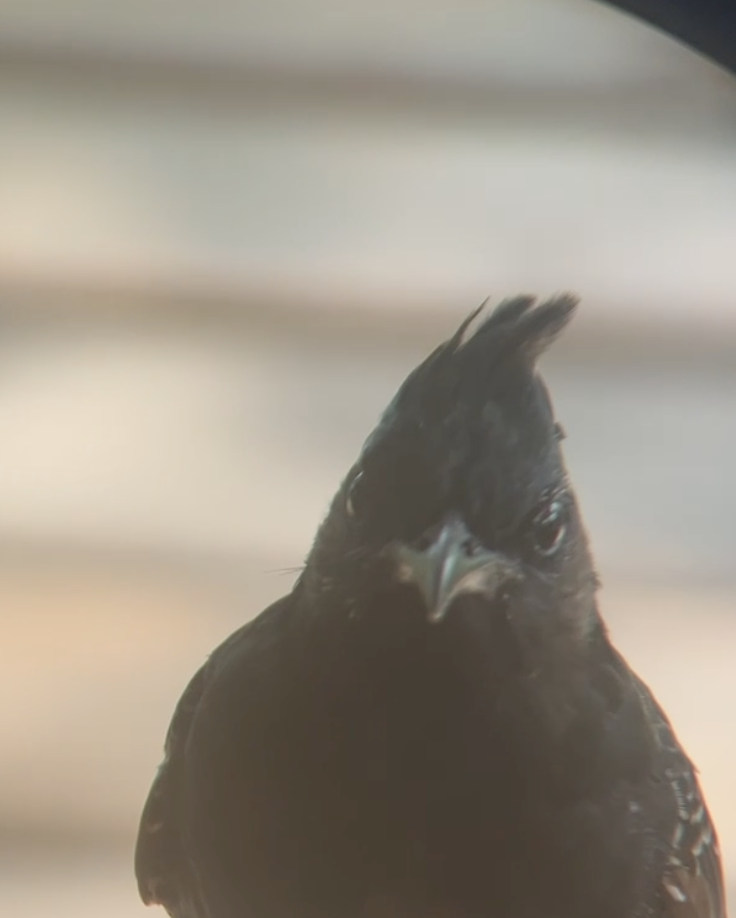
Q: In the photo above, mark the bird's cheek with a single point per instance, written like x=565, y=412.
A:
x=528, y=612
x=547, y=613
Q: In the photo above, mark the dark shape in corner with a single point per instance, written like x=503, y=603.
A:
x=707, y=26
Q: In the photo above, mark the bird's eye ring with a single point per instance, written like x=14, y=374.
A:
x=549, y=527
x=353, y=496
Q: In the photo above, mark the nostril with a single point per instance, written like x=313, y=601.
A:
x=471, y=547
x=468, y=545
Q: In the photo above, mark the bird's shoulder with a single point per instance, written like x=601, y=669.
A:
x=164, y=873
x=691, y=884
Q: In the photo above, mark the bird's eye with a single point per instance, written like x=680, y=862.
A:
x=549, y=527
x=352, y=501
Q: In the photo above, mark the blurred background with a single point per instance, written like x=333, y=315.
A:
x=227, y=232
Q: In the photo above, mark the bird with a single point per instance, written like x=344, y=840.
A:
x=434, y=722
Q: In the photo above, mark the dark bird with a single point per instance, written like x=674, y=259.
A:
x=434, y=723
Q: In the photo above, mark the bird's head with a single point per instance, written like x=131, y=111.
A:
x=459, y=504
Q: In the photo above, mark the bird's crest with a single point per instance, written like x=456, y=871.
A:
x=485, y=356
x=517, y=329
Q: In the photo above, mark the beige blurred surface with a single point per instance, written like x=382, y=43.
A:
x=37, y=882
x=388, y=156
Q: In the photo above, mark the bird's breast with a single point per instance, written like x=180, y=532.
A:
x=386, y=769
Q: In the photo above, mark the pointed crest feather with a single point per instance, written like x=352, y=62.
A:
x=521, y=327
x=467, y=366
x=517, y=330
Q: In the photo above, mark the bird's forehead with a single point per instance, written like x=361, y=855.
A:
x=511, y=422
x=491, y=454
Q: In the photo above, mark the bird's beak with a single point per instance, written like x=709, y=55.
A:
x=454, y=564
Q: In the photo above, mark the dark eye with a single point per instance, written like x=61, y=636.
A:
x=352, y=501
x=549, y=527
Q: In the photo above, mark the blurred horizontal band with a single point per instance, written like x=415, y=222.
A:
x=611, y=327
x=385, y=87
